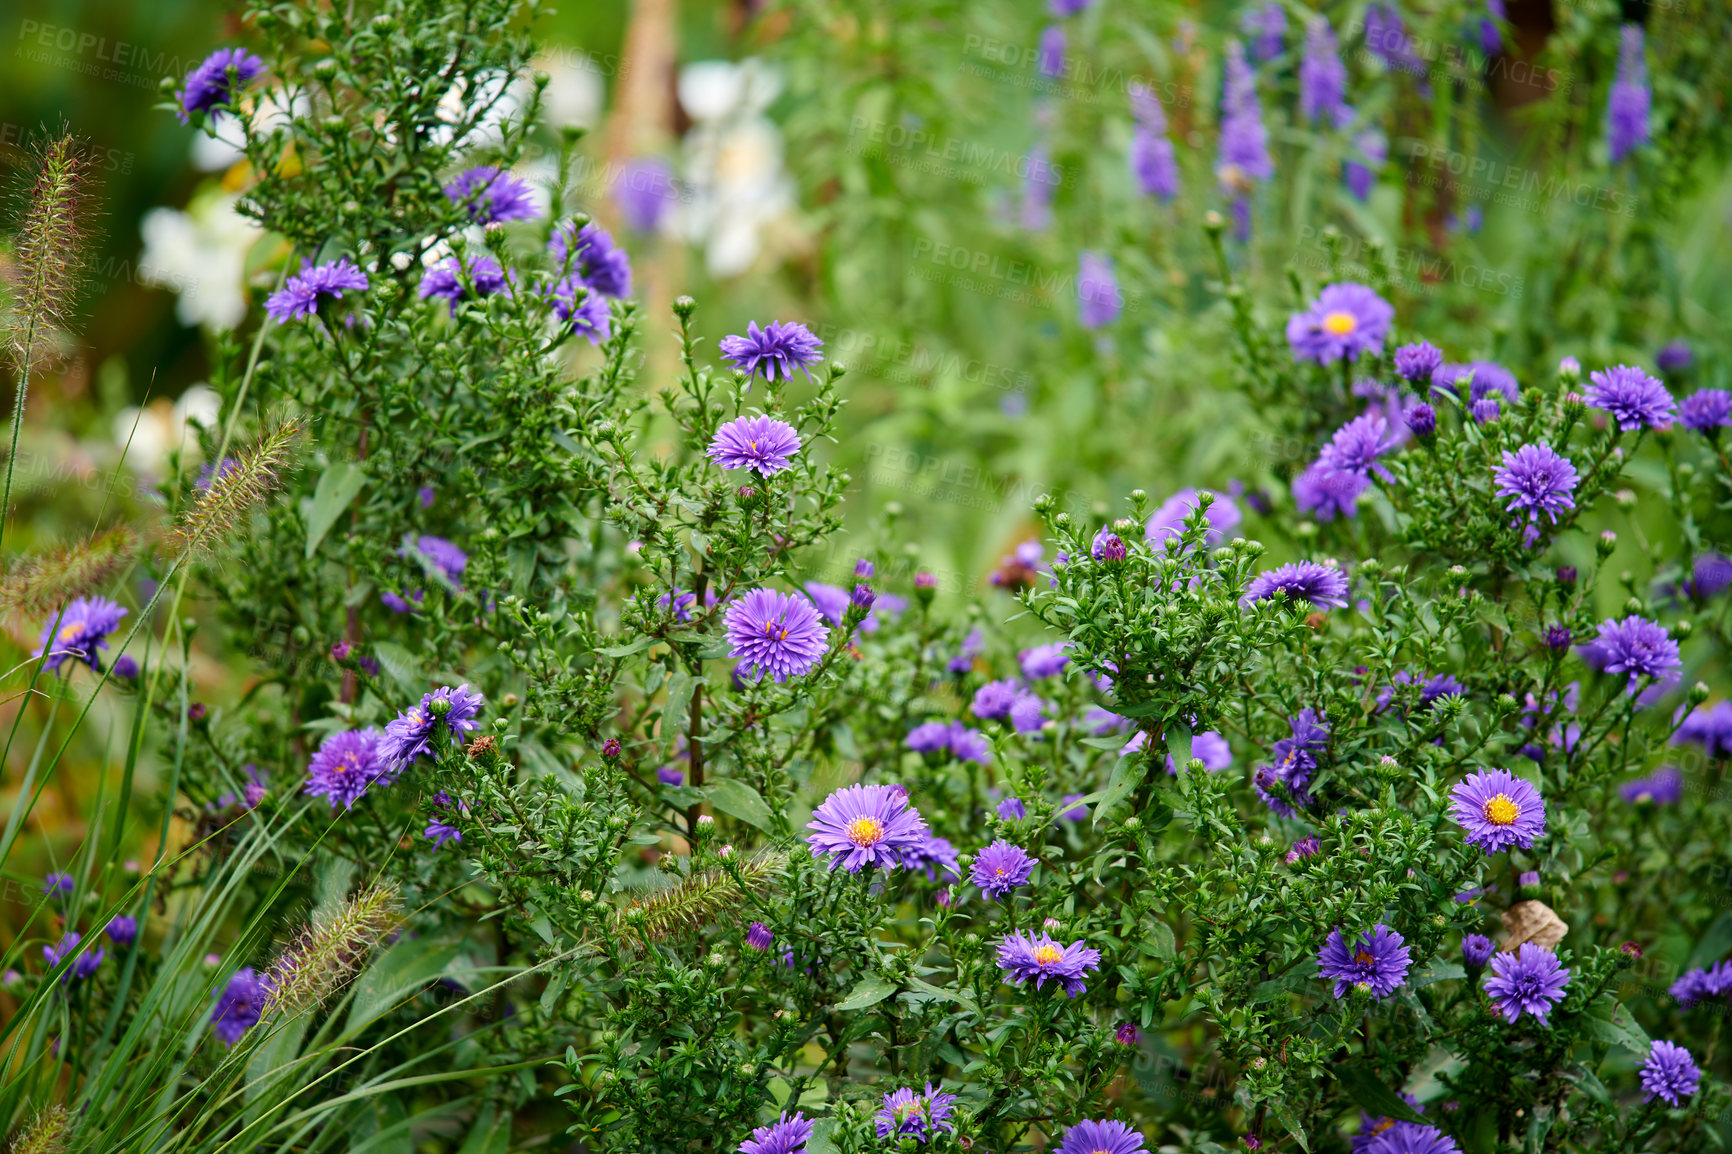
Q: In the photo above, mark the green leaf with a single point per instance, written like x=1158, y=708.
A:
x=638, y=646
x=1285, y=1113
x=1618, y=1028
x=737, y=799
x=679, y=701
x=1436, y=970
x=868, y=991
x=822, y=1140
x=1161, y=938
x=1127, y=775
x=1714, y=944
x=960, y=999
x=337, y=487
x=1373, y=1095
x=400, y=666
x=1179, y=745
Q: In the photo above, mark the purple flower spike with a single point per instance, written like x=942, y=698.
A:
x=1528, y=981
x=1627, y=105
x=1099, y=301
x=1322, y=76
x=866, y=825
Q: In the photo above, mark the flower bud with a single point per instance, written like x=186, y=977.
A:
x=1566, y=574
x=1698, y=693
x=684, y=307
x=1683, y=628
x=1608, y=542
x=1569, y=371
x=863, y=568
x=1633, y=606
x=610, y=748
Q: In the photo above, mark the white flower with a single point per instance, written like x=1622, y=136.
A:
x=201, y=254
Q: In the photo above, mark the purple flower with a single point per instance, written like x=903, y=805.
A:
x=78, y=632
x=866, y=825
x=1127, y=1034
x=1665, y=786
x=759, y=937
x=1484, y=411
x=446, y=280
x=929, y=737
x=779, y=346
x=53, y=955
x=763, y=444
x=345, y=765
x=1222, y=515
x=1023, y=956
x=443, y=555
x=1028, y=713
x=1422, y=419
x=1345, y=321
x=1011, y=809
x=1635, y=646
x=1411, y=1138
x=1284, y=783
x=1244, y=143
x=1673, y=356
x=669, y=775
x=583, y=308
x=1000, y=868
x=1498, y=810
x=125, y=668
x=1305, y=847
x=1044, y=660
x=908, y=1114
x=1387, y=37
x=1107, y=547
x=1709, y=726
x=122, y=930
x=410, y=735
x=1536, y=480
x=1490, y=30
x=1208, y=747
x=1627, y=106
x=1706, y=410
x=784, y=1136
x=1379, y=959
x=968, y=745
x=398, y=604
x=239, y=1006
x=644, y=189
x=1265, y=27
x=1099, y=301
x=1669, y=1073
x=1476, y=950
x=1696, y=985
x=594, y=256
x=1322, y=585
x=1370, y=151
x=972, y=646
x=1530, y=980
x=58, y=885
x=1356, y=446
x=1052, y=51
x=935, y=857
x=213, y=85
x=1634, y=398
x=301, y=294
x=1322, y=76
x=440, y=833
x=1327, y=493
x=1075, y=812
x=1418, y=362
x=1102, y=1137
x=1152, y=162
x=775, y=633
x=491, y=195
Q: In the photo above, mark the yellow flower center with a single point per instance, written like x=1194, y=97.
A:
x=1500, y=810
x=1364, y=958
x=348, y=762
x=865, y=831
x=1339, y=324
x=998, y=871
x=774, y=633
x=72, y=633
x=1048, y=955
x=905, y=1109
x=1383, y=1125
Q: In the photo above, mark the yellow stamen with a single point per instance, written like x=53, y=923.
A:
x=1048, y=955
x=1340, y=323
x=1364, y=958
x=72, y=632
x=865, y=831
x=1500, y=810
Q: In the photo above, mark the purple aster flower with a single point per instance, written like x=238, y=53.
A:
x=1498, y=810
x=784, y=1136
x=1387, y=37
x=1636, y=646
x=53, y=955
x=1107, y=547
x=212, y=86
x=125, y=668
x=1265, y=27
x=1673, y=356
x=1244, y=143
x=1422, y=419
x=763, y=444
x=1152, y=161
x=1411, y=1138
x=645, y=189
x=866, y=825
x=490, y=195
x=583, y=308
x=1530, y=980
x=446, y=280
x=58, y=885
x=1023, y=956
x=345, y=765
x=440, y=833
x=1322, y=76
x=1418, y=362
x=831, y=600
x=1028, y=713
x=1052, y=51
x=929, y=737
x=1099, y=301
x=972, y=646
x=1327, y=493
x=1709, y=726
x=1222, y=515
x=968, y=745
x=1075, y=812
x=1284, y=783
x=1484, y=411
x=122, y=930
x=410, y=735
x=907, y=1114
x=1669, y=1073
x=396, y=603
x=1323, y=585
x=1665, y=786
x=1208, y=747
x=595, y=257
x=302, y=293
x=1635, y=399
x=1356, y=446
x=1476, y=950
x=1044, y=660
x=239, y=1006
x=1102, y=1137
x=1706, y=410
x=443, y=555
x=775, y=633
x=1345, y=321
x=1695, y=985
x=1627, y=106
x=78, y=632
x=1379, y=959
x=1536, y=480
x=1011, y=809
x=1000, y=868
x=1306, y=847
x=669, y=775
x=935, y=857
x=779, y=346
x=1127, y=1034
x=759, y=937
x=425, y=495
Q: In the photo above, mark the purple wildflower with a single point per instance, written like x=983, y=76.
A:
x=775, y=633
x=440, y=833
x=301, y=294
x=239, y=1006
x=1417, y=362
x=446, y=280
x=1379, y=959
x=1044, y=660
x=1529, y=980
x=929, y=737
x=345, y=765
x=410, y=735
x=1345, y=321
x=1627, y=106
x=935, y=857
x=1484, y=411
x=1075, y=812
x=1386, y=36
x=122, y=930
x=58, y=885
x=995, y=698
x=644, y=189
x=1636, y=646
x=583, y=308
x=972, y=646
x=1410, y=1138
x=779, y=346
x=1673, y=356
x=1102, y=1137
x=787, y=1135
x=1168, y=521
x=1099, y=301
x=1107, y=547
x=759, y=936
x=1356, y=446
x=125, y=668
x=1306, y=847
x=1127, y=1034
x=1011, y=809
x=1152, y=161
x=1709, y=726
x=1665, y=786
x=396, y=603
x=1498, y=810
x=1000, y=868
x=1023, y=956
x=1422, y=419
x=1052, y=47
x=1476, y=950
x=1323, y=585
x=918, y=1115
x=78, y=632
x=1695, y=985
x=1266, y=28
x=1028, y=713
x=444, y=556
x=1706, y=410
x=1669, y=1073
x=490, y=195
x=591, y=253
x=1536, y=480
x=1632, y=397
x=1244, y=144
x=763, y=444
x=1322, y=76
x=1284, y=783
x=866, y=825
x=212, y=87
x=1370, y=151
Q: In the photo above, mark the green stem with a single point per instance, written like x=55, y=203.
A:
x=29, y=350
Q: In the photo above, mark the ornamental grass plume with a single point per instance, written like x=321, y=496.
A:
x=41, y=582
x=43, y=1134
x=222, y=509
x=695, y=901
x=327, y=952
